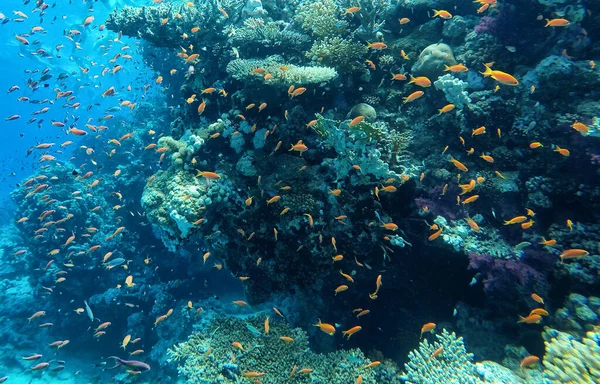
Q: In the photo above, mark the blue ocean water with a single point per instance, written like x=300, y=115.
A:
x=311, y=191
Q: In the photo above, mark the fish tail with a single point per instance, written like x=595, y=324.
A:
x=412, y=79
x=547, y=23
x=435, y=13
x=487, y=72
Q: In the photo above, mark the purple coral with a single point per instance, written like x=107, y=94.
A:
x=504, y=276
x=487, y=25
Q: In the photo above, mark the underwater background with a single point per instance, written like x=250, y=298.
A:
x=301, y=191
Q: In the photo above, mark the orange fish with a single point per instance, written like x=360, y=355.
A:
x=472, y=224
x=529, y=361
x=557, y=23
x=351, y=331
x=413, y=96
x=428, y=327
x=574, y=253
x=441, y=13
x=435, y=235
x=327, y=328
x=531, y=319
x=516, y=220
x=501, y=77
x=377, y=46
x=421, y=81
x=458, y=164
x=356, y=121
x=563, y=151
x=470, y=199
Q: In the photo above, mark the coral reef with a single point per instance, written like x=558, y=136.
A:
x=568, y=359
x=208, y=356
x=444, y=361
x=244, y=70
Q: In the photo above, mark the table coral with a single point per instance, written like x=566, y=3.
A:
x=244, y=70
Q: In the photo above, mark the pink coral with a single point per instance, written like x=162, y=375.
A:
x=487, y=25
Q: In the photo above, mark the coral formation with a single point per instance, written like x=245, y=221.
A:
x=568, y=359
x=244, y=70
x=444, y=361
x=209, y=357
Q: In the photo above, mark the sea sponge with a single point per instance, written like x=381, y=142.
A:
x=432, y=60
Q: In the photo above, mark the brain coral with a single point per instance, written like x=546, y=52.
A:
x=432, y=60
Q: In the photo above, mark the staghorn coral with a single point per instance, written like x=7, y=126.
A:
x=206, y=357
x=343, y=54
x=453, y=365
x=568, y=360
x=241, y=69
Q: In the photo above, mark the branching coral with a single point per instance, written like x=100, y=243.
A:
x=206, y=357
x=338, y=52
x=245, y=70
x=323, y=18
x=568, y=360
x=453, y=365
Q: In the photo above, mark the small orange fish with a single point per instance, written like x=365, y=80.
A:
x=529, y=361
x=327, y=328
x=563, y=151
x=574, y=253
x=413, y=96
x=435, y=235
x=428, y=327
x=442, y=13
x=557, y=23
x=377, y=46
x=531, y=319
x=478, y=131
